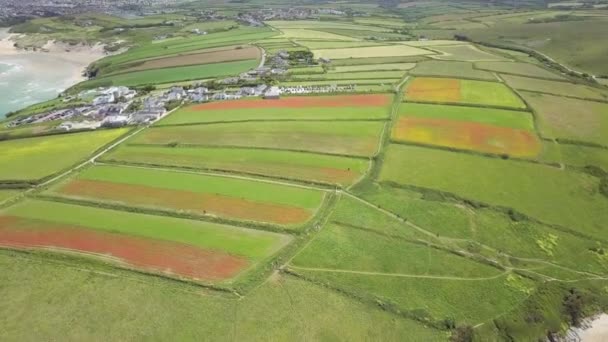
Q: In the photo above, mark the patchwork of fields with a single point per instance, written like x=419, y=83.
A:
x=446, y=90
x=455, y=189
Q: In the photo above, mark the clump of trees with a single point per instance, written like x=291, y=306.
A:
x=463, y=333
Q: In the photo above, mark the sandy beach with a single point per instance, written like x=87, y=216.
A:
x=34, y=76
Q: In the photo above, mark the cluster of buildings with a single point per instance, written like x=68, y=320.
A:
x=317, y=89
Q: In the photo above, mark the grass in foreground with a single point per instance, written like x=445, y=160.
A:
x=285, y=308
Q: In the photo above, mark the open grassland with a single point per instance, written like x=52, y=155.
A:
x=380, y=85
x=377, y=60
x=490, y=116
x=327, y=44
x=555, y=88
x=347, y=138
x=313, y=69
x=350, y=75
x=283, y=308
x=571, y=119
x=497, y=231
x=202, y=113
x=225, y=55
x=270, y=163
x=194, y=193
x=191, y=249
x=345, y=248
x=374, y=100
x=166, y=75
x=564, y=198
x=319, y=24
x=574, y=43
x=431, y=43
x=576, y=155
x=371, y=51
x=436, y=299
x=450, y=69
x=518, y=68
x=176, y=46
x=36, y=158
x=373, y=67
x=7, y=194
x=467, y=53
x=426, y=89
x=299, y=33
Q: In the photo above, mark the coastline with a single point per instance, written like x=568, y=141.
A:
x=41, y=74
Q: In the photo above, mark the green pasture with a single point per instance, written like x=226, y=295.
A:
x=262, y=192
x=338, y=44
x=373, y=67
x=364, y=34
x=306, y=70
x=317, y=24
x=572, y=119
x=7, y=194
x=353, y=212
x=181, y=45
x=178, y=311
x=360, y=82
x=436, y=299
x=36, y=158
x=576, y=155
x=349, y=138
x=165, y=75
x=371, y=51
x=431, y=43
x=270, y=163
x=339, y=247
x=377, y=60
x=299, y=33
x=450, y=69
x=498, y=231
x=490, y=93
x=467, y=53
x=253, y=244
x=187, y=115
x=555, y=88
x=518, y=68
x=363, y=75
x=565, y=198
x=491, y=116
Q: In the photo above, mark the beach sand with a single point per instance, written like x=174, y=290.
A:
x=36, y=76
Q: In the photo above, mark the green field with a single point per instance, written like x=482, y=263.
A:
x=370, y=67
x=555, y=88
x=192, y=115
x=467, y=53
x=349, y=138
x=328, y=44
x=576, y=155
x=344, y=248
x=240, y=198
x=450, y=69
x=568, y=199
x=499, y=232
x=253, y=244
x=491, y=116
x=310, y=24
x=437, y=299
x=361, y=82
x=472, y=92
x=271, y=163
x=572, y=119
x=371, y=51
x=518, y=68
x=37, y=158
x=174, y=311
x=377, y=60
x=7, y=194
x=166, y=75
x=363, y=75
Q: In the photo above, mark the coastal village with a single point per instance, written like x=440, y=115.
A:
x=118, y=106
